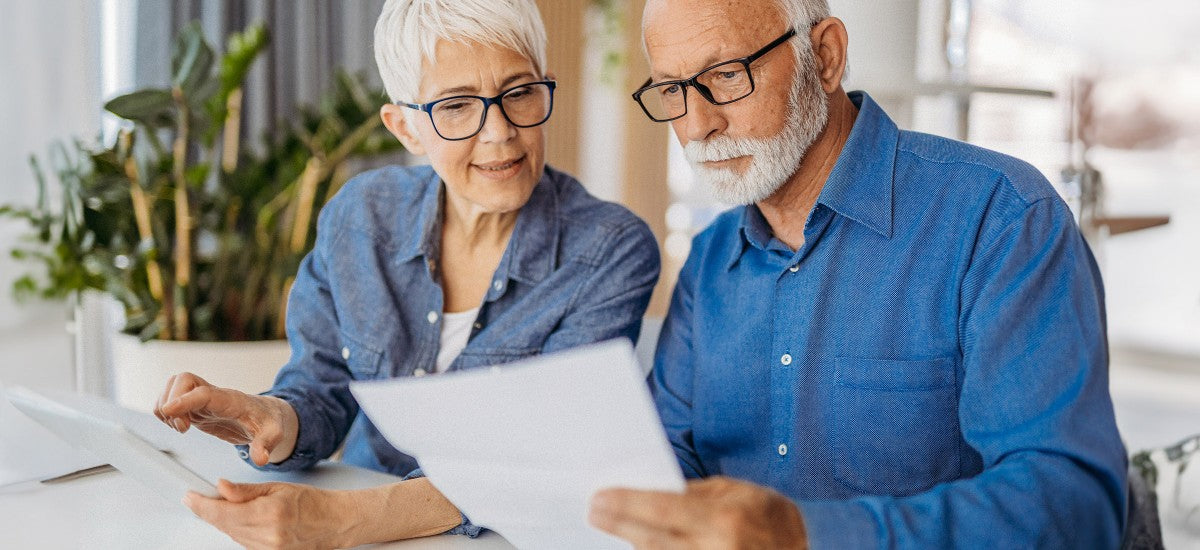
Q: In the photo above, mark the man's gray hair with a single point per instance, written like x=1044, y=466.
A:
x=801, y=14
x=408, y=31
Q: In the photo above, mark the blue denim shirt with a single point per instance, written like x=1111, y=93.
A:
x=367, y=302
x=929, y=370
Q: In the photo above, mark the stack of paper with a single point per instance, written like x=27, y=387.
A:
x=520, y=449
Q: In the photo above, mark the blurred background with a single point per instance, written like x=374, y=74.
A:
x=1103, y=96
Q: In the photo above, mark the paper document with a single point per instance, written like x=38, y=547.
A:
x=521, y=449
x=29, y=452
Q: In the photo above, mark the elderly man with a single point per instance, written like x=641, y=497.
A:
x=898, y=340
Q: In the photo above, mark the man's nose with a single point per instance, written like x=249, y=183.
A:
x=703, y=119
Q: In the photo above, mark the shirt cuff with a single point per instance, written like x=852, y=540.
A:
x=464, y=528
x=839, y=524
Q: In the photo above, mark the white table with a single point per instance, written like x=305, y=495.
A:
x=111, y=510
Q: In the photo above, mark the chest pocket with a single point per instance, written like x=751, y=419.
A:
x=897, y=430
x=362, y=360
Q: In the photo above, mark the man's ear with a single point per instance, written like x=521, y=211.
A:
x=830, y=43
x=394, y=119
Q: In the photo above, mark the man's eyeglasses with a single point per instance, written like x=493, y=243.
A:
x=461, y=117
x=719, y=84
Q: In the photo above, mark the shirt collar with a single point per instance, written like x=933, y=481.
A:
x=532, y=251
x=860, y=185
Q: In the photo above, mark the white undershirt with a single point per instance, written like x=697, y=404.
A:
x=456, y=329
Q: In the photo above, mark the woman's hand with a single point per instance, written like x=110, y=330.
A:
x=268, y=424
x=278, y=515
x=286, y=515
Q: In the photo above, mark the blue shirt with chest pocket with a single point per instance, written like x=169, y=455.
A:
x=929, y=370
x=367, y=302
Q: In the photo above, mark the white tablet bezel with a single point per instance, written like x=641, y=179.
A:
x=114, y=443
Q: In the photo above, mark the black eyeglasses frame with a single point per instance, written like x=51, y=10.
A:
x=704, y=91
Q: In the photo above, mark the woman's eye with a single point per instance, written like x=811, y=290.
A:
x=519, y=93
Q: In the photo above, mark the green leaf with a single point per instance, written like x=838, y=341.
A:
x=241, y=51
x=192, y=60
x=25, y=288
x=143, y=105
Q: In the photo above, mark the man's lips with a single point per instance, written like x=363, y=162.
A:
x=723, y=162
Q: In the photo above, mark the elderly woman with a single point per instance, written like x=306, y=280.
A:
x=484, y=257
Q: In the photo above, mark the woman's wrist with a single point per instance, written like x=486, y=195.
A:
x=289, y=425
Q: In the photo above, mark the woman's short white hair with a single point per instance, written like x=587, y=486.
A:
x=408, y=31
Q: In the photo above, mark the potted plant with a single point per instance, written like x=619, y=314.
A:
x=194, y=233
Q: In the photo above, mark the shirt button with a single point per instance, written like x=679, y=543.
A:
x=431, y=317
x=419, y=372
x=478, y=326
x=243, y=454
x=346, y=353
x=497, y=285
x=786, y=359
x=782, y=449
x=794, y=268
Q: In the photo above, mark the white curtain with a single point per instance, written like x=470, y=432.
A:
x=50, y=67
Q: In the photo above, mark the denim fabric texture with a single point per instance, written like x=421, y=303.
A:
x=929, y=370
x=367, y=303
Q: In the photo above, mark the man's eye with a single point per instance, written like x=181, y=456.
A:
x=671, y=90
x=729, y=75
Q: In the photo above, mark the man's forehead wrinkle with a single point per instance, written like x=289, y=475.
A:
x=707, y=37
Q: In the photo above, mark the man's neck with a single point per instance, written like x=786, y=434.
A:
x=787, y=209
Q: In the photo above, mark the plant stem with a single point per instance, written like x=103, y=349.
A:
x=232, y=135
x=141, y=214
x=317, y=170
x=183, y=218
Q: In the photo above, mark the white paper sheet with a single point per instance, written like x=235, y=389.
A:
x=520, y=449
x=29, y=452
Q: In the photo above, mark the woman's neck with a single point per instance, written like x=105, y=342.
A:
x=466, y=226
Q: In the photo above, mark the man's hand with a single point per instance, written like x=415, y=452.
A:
x=716, y=512
x=268, y=424
x=278, y=515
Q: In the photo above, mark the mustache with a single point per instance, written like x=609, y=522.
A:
x=722, y=148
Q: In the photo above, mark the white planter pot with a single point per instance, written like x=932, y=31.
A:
x=140, y=370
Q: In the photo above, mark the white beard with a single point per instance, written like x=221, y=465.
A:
x=773, y=160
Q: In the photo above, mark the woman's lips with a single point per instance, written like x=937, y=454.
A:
x=500, y=170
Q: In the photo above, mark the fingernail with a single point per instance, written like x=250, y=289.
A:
x=601, y=501
x=178, y=424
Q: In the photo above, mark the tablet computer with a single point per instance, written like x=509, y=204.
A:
x=113, y=443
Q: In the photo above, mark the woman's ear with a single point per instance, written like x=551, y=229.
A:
x=394, y=119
